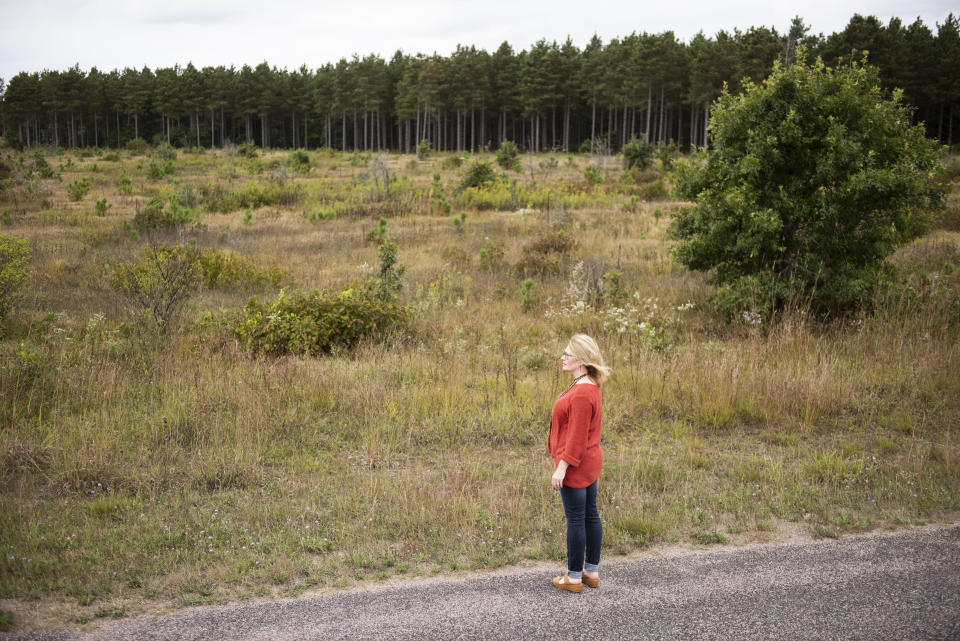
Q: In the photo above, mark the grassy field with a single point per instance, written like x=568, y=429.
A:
x=141, y=468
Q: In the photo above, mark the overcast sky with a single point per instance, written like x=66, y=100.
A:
x=56, y=34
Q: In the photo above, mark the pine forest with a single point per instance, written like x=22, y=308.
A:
x=551, y=96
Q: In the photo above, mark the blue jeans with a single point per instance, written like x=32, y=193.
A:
x=584, y=528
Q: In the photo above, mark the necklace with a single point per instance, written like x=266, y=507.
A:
x=573, y=383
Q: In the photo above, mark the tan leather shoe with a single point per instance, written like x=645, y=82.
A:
x=591, y=581
x=563, y=583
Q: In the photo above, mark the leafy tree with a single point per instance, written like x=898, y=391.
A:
x=816, y=177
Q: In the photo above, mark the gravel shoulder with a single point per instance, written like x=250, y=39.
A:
x=891, y=585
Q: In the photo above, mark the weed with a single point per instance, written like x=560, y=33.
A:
x=711, y=538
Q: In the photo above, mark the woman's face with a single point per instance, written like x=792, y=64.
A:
x=568, y=362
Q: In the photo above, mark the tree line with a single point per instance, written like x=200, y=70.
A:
x=548, y=97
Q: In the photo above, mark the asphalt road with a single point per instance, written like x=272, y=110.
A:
x=903, y=585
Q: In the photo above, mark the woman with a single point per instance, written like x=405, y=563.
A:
x=574, y=444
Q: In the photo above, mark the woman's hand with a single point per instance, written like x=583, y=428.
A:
x=557, y=479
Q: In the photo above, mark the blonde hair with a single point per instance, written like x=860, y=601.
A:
x=584, y=349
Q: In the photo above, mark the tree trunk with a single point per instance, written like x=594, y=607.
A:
x=950, y=127
x=646, y=132
x=706, y=126
x=356, y=131
x=553, y=127
x=593, y=120
x=693, y=124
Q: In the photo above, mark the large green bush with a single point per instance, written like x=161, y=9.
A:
x=815, y=177
x=637, y=153
x=478, y=175
x=316, y=322
x=14, y=255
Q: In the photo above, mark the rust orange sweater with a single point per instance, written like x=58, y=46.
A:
x=575, y=434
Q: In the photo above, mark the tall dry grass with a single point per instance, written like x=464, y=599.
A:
x=176, y=466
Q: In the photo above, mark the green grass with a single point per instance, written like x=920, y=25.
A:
x=179, y=469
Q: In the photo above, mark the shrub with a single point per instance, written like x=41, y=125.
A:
x=248, y=149
x=136, y=147
x=507, y=154
x=479, y=174
x=41, y=167
x=644, y=176
x=14, y=255
x=157, y=172
x=162, y=214
x=814, y=179
x=217, y=198
x=492, y=254
x=360, y=159
x=227, y=270
x=159, y=284
x=389, y=280
x=545, y=255
x=452, y=162
x=667, y=154
x=165, y=151
x=592, y=175
x=376, y=234
x=548, y=163
x=637, y=153
x=527, y=298
x=655, y=190
x=101, y=207
x=78, y=189
x=316, y=322
x=322, y=214
x=299, y=161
